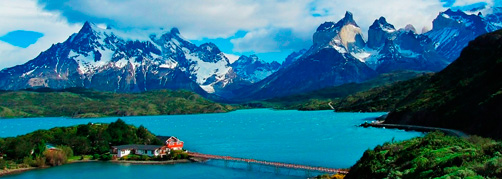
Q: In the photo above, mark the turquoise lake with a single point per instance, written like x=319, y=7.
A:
x=317, y=138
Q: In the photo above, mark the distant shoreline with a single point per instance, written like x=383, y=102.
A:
x=452, y=132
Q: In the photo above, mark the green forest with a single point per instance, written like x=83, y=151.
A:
x=81, y=103
x=87, y=139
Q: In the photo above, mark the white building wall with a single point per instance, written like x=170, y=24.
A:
x=124, y=152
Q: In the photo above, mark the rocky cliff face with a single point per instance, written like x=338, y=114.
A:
x=327, y=63
x=345, y=35
x=389, y=49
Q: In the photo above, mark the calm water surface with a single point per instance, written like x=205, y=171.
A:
x=319, y=138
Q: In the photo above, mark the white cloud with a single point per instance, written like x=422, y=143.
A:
x=231, y=57
x=419, y=13
x=197, y=19
x=26, y=15
x=272, y=25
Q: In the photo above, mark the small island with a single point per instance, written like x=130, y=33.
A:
x=115, y=142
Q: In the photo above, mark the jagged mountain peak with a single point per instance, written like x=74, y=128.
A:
x=410, y=28
x=210, y=48
x=379, y=32
x=175, y=30
x=345, y=36
x=458, y=19
x=249, y=60
x=253, y=69
x=453, y=29
x=381, y=23
x=330, y=26
x=347, y=19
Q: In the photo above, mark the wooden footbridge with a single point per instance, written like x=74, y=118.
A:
x=268, y=163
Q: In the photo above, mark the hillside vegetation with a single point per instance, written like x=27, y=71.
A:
x=341, y=97
x=78, y=102
x=432, y=156
x=467, y=95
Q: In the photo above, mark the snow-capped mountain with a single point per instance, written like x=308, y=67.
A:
x=112, y=60
x=495, y=18
x=253, y=69
x=452, y=30
x=327, y=63
x=389, y=49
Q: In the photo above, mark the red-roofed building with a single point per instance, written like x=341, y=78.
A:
x=171, y=142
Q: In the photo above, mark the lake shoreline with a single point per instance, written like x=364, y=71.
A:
x=451, y=132
x=6, y=172
x=167, y=162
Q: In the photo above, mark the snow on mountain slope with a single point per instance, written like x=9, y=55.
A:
x=113, y=60
x=253, y=69
x=453, y=30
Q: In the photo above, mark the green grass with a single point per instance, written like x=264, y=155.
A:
x=82, y=103
x=79, y=158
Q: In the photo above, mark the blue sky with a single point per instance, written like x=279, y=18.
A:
x=21, y=38
x=272, y=29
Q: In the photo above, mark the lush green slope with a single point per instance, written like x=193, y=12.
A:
x=319, y=99
x=467, y=95
x=434, y=155
x=77, y=102
x=383, y=98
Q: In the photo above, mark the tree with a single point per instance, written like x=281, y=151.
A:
x=142, y=134
x=83, y=130
x=39, y=149
x=17, y=148
x=120, y=133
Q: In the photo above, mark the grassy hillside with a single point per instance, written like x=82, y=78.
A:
x=432, y=156
x=77, y=102
x=383, y=98
x=467, y=95
x=319, y=99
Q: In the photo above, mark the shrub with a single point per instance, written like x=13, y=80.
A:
x=3, y=164
x=95, y=157
x=40, y=161
x=66, y=150
x=105, y=157
x=144, y=158
x=28, y=161
x=55, y=157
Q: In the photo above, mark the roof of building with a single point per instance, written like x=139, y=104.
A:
x=163, y=138
x=138, y=147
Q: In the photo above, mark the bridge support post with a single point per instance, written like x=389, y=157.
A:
x=277, y=171
x=226, y=163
